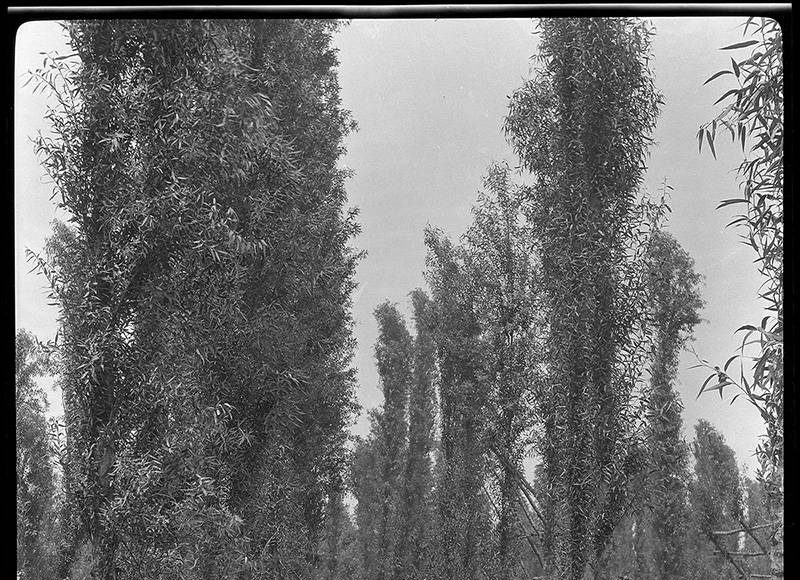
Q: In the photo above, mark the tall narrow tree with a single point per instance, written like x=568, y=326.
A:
x=464, y=544
x=500, y=262
x=414, y=543
x=37, y=544
x=582, y=127
x=204, y=292
x=716, y=502
x=672, y=284
x=394, y=355
x=364, y=482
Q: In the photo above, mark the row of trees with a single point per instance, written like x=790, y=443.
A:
x=203, y=286
x=545, y=322
x=204, y=344
x=711, y=505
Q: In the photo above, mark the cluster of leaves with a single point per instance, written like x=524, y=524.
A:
x=203, y=286
x=757, y=113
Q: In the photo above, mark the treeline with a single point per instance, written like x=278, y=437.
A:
x=203, y=282
x=556, y=326
x=678, y=522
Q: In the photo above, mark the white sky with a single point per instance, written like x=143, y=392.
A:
x=429, y=97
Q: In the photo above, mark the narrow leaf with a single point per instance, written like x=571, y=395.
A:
x=726, y=95
x=715, y=75
x=711, y=143
x=703, y=388
x=740, y=45
x=746, y=327
x=725, y=202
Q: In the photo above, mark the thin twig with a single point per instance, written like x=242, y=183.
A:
x=744, y=529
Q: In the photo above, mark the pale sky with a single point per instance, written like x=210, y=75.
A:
x=429, y=97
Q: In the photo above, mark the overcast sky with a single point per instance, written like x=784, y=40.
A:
x=429, y=97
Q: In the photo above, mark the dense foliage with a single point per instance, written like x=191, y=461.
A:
x=486, y=323
x=464, y=390
x=203, y=287
x=416, y=533
x=716, y=494
x=673, y=288
x=502, y=268
x=582, y=128
x=391, y=470
x=530, y=425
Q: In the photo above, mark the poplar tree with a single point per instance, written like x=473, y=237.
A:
x=673, y=290
x=716, y=503
x=500, y=261
x=203, y=285
x=416, y=517
x=364, y=482
x=394, y=356
x=582, y=128
x=464, y=544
